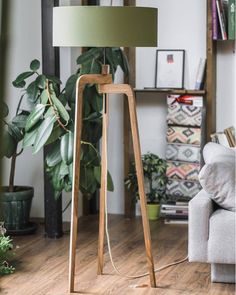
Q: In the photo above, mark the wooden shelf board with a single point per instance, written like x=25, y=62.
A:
x=172, y=91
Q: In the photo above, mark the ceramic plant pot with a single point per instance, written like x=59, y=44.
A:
x=153, y=211
x=15, y=207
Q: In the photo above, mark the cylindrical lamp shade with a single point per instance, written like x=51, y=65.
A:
x=99, y=26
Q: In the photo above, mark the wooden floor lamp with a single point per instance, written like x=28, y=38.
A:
x=94, y=26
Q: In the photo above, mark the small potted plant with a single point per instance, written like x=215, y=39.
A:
x=154, y=169
x=6, y=247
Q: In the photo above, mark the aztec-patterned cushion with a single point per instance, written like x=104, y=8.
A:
x=182, y=114
x=183, y=152
x=182, y=170
x=176, y=134
x=182, y=189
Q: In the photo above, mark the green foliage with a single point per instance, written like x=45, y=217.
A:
x=154, y=169
x=6, y=247
x=50, y=120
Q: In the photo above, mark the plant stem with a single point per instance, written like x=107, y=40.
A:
x=12, y=172
x=54, y=109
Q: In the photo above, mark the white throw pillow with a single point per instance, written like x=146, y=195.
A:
x=213, y=150
x=217, y=176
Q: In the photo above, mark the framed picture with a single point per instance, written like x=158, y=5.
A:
x=170, y=68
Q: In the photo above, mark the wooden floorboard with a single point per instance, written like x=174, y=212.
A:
x=42, y=264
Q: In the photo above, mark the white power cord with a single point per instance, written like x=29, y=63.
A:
x=111, y=258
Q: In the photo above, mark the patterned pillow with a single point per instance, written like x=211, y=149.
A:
x=183, y=152
x=176, y=134
x=182, y=170
x=182, y=114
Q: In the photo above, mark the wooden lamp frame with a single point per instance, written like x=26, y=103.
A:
x=105, y=86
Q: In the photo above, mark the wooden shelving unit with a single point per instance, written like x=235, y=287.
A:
x=209, y=94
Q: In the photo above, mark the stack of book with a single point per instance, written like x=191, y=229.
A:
x=226, y=138
x=223, y=19
x=175, y=213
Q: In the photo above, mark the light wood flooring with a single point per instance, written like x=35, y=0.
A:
x=42, y=264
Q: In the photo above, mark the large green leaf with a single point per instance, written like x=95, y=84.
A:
x=8, y=144
x=53, y=79
x=20, y=120
x=32, y=92
x=19, y=85
x=43, y=133
x=88, y=182
x=59, y=172
x=87, y=56
x=120, y=59
x=56, y=133
x=41, y=81
x=35, y=116
x=29, y=137
x=44, y=96
x=15, y=132
x=96, y=67
x=97, y=174
x=50, y=111
x=61, y=109
x=70, y=87
x=34, y=65
x=20, y=79
x=67, y=143
x=54, y=156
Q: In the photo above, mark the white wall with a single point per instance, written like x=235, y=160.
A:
x=226, y=85
x=25, y=45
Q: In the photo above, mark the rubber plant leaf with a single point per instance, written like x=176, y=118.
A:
x=67, y=142
x=34, y=117
x=43, y=133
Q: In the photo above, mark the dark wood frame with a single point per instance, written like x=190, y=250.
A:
x=50, y=66
x=183, y=67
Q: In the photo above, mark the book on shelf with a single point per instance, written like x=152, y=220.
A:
x=175, y=221
x=220, y=138
x=231, y=19
x=176, y=216
x=174, y=207
x=199, y=84
x=226, y=138
x=216, y=34
x=230, y=135
x=223, y=20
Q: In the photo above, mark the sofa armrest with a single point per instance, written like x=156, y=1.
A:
x=200, y=209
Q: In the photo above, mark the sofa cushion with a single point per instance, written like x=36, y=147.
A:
x=218, y=180
x=221, y=244
x=213, y=151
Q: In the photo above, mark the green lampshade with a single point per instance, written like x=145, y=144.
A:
x=100, y=26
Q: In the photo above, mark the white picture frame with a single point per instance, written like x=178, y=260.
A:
x=170, y=69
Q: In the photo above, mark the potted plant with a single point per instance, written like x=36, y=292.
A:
x=50, y=119
x=154, y=169
x=15, y=201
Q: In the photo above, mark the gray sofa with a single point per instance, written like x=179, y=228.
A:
x=212, y=214
x=212, y=237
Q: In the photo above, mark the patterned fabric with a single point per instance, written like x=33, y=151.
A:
x=182, y=114
x=179, y=189
x=177, y=134
x=181, y=170
x=183, y=152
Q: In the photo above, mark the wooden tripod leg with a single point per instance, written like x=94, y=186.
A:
x=75, y=188
x=103, y=190
x=140, y=177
